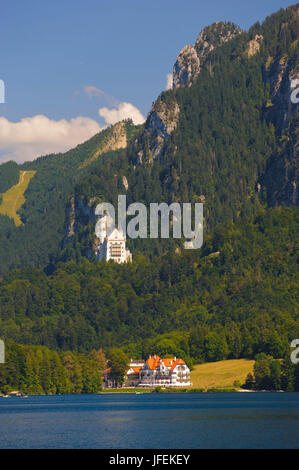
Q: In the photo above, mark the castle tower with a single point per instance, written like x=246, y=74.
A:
x=112, y=246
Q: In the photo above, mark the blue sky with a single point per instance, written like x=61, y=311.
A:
x=52, y=50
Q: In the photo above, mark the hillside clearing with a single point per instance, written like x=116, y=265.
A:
x=13, y=198
x=221, y=374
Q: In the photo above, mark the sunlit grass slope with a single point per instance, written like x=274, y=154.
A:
x=221, y=374
x=13, y=198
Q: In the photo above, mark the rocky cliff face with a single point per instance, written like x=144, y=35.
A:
x=186, y=68
x=192, y=59
x=164, y=115
x=281, y=178
x=281, y=73
x=78, y=210
x=254, y=45
x=116, y=140
x=215, y=35
x=160, y=124
x=79, y=224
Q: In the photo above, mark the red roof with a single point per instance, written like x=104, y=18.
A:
x=173, y=363
x=155, y=361
x=135, y=369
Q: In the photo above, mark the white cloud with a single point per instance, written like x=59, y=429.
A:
x=169, y=81
x=120, y=112
x=39, y=135
x=92, y=91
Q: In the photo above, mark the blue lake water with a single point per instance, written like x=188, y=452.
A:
x=154, y=421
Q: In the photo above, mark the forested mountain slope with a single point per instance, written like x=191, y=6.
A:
x=225, y=135
x=236, y=297
x=38, y=240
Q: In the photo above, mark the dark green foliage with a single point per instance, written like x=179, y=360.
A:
x=267, y=373
x=38, y=370
x=249, y=382
x=9, y=176
x=119, y=364
x=271, y=374
x=236, y=304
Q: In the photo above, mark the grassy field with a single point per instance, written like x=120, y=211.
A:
x=14, y=197
x=221, y=374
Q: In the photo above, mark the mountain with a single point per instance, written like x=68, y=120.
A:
x=193, y=59
x=226, y=135
x=37, y=241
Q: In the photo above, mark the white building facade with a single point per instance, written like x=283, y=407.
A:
x=168, y=372
x=111, y=246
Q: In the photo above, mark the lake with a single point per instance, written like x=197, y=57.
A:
x=151, y=421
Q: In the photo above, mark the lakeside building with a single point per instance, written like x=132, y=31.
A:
x=112, y=246
x=107, y=381
x=156, y=371
x=167, y=372
x=131, y=379
x=133, y=373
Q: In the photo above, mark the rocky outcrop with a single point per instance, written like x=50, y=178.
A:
x=159, y=125
x=281, y=178
x=186, y=68
x=115, y=140
x=70, y=217
x=164, y=116
x=192, y=59
x=253, y=46
x=281, y=73
x=215, y=35
x=125, y=182
x=78, y=210
x=118, y=138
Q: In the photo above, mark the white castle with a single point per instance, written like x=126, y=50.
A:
x=111, y=245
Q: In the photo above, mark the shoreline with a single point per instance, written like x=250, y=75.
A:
x=148, y=391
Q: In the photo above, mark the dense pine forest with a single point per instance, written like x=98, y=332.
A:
x=234, y=298
x=9, y=175
x=233, y=147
